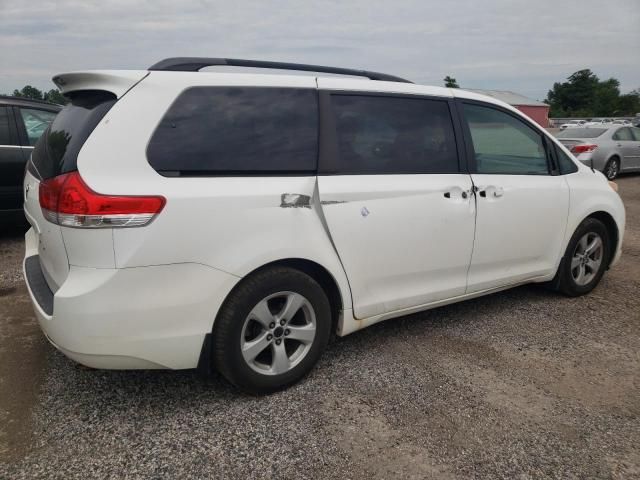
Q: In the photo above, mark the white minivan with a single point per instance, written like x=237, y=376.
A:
x=184, y=219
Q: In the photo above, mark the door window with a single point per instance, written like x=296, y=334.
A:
x=636, y=133
x=35, y=122
x=623, y=134
x=393, y=135
x=503, y=144
x=5, y=135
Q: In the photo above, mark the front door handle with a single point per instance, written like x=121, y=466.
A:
x=498, y=192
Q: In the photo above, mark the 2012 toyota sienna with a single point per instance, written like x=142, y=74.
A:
x=235, y=221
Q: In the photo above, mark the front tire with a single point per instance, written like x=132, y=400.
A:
x=585, y=260
x=271, y=330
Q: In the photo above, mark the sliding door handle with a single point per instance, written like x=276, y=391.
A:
x=495, y=192
x=457, y=192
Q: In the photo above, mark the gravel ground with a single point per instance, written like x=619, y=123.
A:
x=520, y=384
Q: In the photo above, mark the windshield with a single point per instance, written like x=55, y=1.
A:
x=582, y=133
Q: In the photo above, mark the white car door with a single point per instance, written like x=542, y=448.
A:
x=522, y=207
x=400, y=213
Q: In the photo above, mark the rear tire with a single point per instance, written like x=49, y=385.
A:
x=271, y=330
x=612, y=169
x=585, y=260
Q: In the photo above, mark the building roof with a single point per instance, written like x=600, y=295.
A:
x=511, y=98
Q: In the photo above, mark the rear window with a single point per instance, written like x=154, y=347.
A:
x=581, y=133
x=56, y=152
x=237, y=130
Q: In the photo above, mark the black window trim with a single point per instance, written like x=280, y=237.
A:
x=237, y=173
x=14, y=140
x=552, y=170
x=328, y=145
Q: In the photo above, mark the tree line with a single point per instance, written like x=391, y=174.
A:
x=583, y=94
x=52, y=96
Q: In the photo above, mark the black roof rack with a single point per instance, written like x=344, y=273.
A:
x=193, y=64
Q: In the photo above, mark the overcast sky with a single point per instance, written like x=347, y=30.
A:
x=519, y=45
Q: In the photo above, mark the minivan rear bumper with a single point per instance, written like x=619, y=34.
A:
x=130, y=318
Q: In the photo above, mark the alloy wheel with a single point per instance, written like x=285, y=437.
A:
x=587, y=258
x=612, y=170
x=278, y=333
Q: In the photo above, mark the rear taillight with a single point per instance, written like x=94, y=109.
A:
x=583, y=148
x=67, y=200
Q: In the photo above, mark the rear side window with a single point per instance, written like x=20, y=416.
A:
x=504, y=144
x=623, y=134
x=237, y=130
x=35, y=122
x=56, y=152
x=393, y=135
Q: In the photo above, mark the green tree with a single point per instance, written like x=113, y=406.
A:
x=54, y=96
x=629, y=103
x=450, y=82
x=585, y=95
x=28, y=92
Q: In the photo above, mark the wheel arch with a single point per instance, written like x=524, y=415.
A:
x=320, y=274
x=612, y=228
x=316, y=271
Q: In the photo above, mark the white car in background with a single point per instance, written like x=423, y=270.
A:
x=237, y=220
x=573, y=124
x=599, y=122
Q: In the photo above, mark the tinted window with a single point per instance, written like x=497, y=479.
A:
x=5, y=137
x=623, y=134
x=565, y=164
x=581, y=132
x=57, y=150
x=504, y=144
x=237, y=130
x=35, y=122
x=393, y=135
x=636, y=133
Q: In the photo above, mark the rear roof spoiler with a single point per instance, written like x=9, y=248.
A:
x=193, y=64
x=117, y=82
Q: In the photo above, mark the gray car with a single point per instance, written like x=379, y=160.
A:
x=612, y=149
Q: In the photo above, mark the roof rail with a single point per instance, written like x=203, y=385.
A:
x=193, y=64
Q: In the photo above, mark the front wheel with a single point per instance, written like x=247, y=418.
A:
x=271, y=330
x=585, y=259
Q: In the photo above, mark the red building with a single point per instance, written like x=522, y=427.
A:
x=537, y=111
